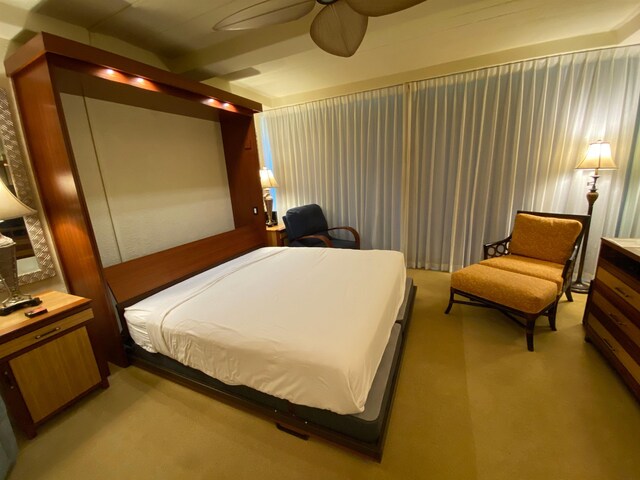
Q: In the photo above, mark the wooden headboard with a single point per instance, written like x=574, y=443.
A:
x=136, y=279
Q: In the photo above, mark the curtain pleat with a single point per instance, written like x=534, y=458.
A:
x=344, y=154
x=438, y=167
x=490, y=142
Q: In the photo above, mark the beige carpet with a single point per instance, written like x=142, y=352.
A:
x=472, y=403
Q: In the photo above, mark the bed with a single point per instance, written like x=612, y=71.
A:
x=317, y=347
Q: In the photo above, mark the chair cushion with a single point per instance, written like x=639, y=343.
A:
x=545, y=238
x=305, y=220
x=520, y=292
x=529, y=266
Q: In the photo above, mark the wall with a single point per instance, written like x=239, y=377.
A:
x=152, y=179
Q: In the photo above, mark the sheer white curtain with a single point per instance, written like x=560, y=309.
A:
x=630, y=215
x=486, y=143
x=344, y=154
x=438, y=167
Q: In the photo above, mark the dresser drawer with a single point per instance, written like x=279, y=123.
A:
x=615, y=348
x=619, y=287
x=623, y=322
x=45, y=333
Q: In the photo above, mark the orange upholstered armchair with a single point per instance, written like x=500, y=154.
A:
x=526, y=273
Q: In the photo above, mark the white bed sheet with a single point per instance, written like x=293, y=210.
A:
x=308, y=325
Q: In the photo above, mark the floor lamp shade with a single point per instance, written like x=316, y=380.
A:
x=268, y=181
x=11, y=207
x=598, y=157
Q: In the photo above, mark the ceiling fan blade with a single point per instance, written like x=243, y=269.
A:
x=338, y=29
x=265, y=13
x=381, y=7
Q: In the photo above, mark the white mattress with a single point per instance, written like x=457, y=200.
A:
x=308, y=325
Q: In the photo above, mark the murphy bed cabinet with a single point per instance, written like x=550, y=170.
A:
x=38, y=71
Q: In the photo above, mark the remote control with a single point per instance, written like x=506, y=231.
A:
x=36, y=311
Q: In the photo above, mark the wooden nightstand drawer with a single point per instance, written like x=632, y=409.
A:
x=626, y=292
x=613, y=314
x=44, y=333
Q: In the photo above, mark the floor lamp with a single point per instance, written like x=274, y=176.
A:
x=268, y=181
x=11, y=207
x=598, y=157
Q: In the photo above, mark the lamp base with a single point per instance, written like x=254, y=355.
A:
x=13, y=306
x=580, y=287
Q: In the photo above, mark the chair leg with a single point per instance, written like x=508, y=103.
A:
x=529, y=328
x=552, y=316
x=569, y=294
x=446, y=312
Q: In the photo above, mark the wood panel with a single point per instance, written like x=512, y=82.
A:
x=133, y=280
x=63, y=201
x=45, y=42
x=241, y=156
x=55, y=373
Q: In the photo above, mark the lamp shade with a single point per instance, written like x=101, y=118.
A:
x=598, y=157
x=267, y=180
x=10, y=206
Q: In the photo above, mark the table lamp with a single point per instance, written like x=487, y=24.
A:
x=11, y=207
x=268, y=181
x=598, y=157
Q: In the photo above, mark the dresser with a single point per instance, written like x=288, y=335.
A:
x=612, y=314
x=47, y=362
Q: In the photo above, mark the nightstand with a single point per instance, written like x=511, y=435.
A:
x=276, y=236
x=47, y=362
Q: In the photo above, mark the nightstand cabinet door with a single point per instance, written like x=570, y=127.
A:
x=55, y=373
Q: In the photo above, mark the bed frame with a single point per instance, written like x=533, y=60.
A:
x=134, y=280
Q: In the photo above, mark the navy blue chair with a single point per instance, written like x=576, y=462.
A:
x=307, y=227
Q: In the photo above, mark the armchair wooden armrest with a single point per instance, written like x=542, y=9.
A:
x=497, y=249
x=326, y=240
x=355, y=233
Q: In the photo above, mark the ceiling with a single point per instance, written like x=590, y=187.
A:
x=280, y=64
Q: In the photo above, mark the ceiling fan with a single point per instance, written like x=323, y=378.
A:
x=338, y=28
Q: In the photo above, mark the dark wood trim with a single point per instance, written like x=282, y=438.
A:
x=241, y=153
x=46, y=43
x=136, y=279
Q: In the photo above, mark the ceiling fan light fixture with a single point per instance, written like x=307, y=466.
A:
x=378, y=8
x=338, y=29
x=265, y=13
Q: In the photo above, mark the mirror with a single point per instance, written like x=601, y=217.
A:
x=32, y=252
